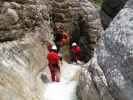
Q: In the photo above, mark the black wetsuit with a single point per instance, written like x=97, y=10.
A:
x=57, y=39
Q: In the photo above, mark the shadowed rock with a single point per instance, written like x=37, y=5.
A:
x=90, y=28
x=81, y=20
x=110, y=9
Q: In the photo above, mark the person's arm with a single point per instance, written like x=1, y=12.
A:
x=60, y=58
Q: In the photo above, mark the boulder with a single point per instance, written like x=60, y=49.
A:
x=20, y=65
x=93, y=84
x=115, y=54
x=24, y=27
x=114, y=57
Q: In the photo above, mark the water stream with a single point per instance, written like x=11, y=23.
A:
x=66, y=88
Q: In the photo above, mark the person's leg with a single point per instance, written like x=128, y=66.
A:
x=57, y=73
x=53, y=76
x=52, y=72
x=74, y=58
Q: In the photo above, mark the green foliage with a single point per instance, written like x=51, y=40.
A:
x=98, y=2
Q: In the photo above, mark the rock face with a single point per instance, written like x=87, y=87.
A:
x=20, y=64
x=93, y=85
x=90, y=28
x=60, y=13
x=81, y=20
x=115, y=56
x=19, y=18
x=109, y=10
x=24, y=25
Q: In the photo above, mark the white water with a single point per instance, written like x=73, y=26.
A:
x=66, y=89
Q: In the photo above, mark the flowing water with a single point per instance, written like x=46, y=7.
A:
x=66, y=88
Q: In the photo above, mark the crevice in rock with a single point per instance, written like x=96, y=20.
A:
x=7, y=40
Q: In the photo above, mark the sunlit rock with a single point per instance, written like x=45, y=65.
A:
x=114, y=57
x=20, y=64
x=115, y=54
x=93, y=84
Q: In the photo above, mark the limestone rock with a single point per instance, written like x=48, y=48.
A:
x=90, y=28
x=20, y=64
x=19, y=18
x=24, y=25
x=60, y=12
x=93, y=85
x=115, y=54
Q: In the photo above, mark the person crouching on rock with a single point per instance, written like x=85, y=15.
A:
x=53, y=63
x=75, y=52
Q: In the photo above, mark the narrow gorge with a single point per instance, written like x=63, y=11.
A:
x=102, y=28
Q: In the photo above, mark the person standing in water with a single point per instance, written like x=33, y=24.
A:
x=53, y=63
x=75, y=52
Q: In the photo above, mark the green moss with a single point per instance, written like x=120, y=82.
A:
x=99, y=2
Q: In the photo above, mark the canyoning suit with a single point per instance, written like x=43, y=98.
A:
x=57, y=38
x=53, y=59
x=75, y=53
